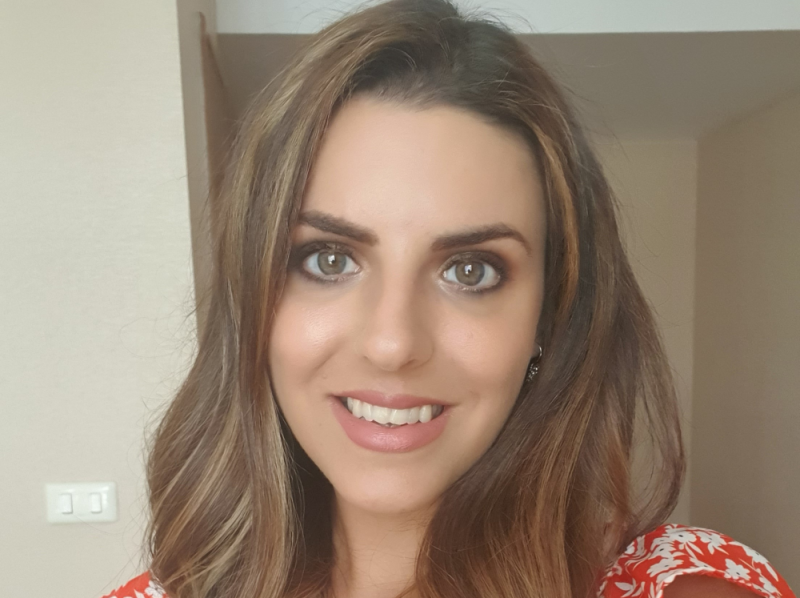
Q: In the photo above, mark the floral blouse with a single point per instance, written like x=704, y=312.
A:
x=650, y=563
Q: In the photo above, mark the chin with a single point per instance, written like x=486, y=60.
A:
x=388, y=492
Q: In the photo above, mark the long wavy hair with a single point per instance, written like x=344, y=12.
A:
x=238, y=510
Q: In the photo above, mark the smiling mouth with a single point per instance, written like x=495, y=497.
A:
x=391, y=418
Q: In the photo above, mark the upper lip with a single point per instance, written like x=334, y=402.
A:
x=398, y=401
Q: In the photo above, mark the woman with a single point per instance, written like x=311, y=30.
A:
x=425, y=347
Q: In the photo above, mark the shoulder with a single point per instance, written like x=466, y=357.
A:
x=142, y=586
x=694, y=562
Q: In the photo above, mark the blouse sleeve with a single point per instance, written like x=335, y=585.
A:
x=141, y=586
x=654, y=560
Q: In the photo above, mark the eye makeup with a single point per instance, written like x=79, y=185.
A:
x=493, y=260
x=301, y=252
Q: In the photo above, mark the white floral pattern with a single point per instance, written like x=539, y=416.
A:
x=139, y=587
x=649, y=563
x=656, y=559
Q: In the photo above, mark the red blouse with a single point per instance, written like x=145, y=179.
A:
x=650, y=563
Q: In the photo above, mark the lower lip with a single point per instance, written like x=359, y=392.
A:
x=375, y=437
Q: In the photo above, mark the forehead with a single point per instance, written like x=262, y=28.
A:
x=394, y=166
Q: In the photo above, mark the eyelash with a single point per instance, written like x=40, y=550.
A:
x=299, y=254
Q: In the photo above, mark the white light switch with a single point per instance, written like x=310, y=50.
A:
x=95, y=502
x=65, y=503
x=81, y=503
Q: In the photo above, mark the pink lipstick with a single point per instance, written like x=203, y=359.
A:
x=376, y=437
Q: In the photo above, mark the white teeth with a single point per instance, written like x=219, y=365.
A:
x=398, y=416
x=380, y=414
x=386, y=416
x=425, y=414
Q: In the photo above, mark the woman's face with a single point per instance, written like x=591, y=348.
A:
x=416, y=285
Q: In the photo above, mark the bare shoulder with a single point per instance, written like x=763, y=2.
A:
x=702, y=586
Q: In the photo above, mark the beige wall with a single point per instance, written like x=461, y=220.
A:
x=96, y=270
x=206, y=119
x=746, y=477
x=656, y=183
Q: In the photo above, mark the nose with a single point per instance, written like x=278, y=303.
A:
x=397, y=333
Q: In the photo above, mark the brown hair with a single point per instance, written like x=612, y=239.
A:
x=238, y=509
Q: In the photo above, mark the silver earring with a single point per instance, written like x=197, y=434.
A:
x=533, y=365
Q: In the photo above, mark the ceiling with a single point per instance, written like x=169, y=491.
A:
x=532, y=16
x=628, y=85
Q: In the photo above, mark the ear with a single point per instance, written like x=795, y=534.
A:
x=703, y=586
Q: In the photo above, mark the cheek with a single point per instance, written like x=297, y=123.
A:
x=492, y=351
x=489, y=355
x=303, y=337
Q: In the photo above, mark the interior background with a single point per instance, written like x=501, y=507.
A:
x=111, y=113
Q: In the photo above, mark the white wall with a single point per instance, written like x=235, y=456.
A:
x=544, y=16
x=747, y=385
x=95, y=274
x=656, y=183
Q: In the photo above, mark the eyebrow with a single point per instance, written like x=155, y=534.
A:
x=474, y=236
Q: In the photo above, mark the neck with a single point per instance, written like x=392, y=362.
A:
x=375, y=553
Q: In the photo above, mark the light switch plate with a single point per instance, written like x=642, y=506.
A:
x=80, y=498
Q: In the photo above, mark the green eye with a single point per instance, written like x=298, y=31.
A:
x=328, y=263
x=475, y=274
